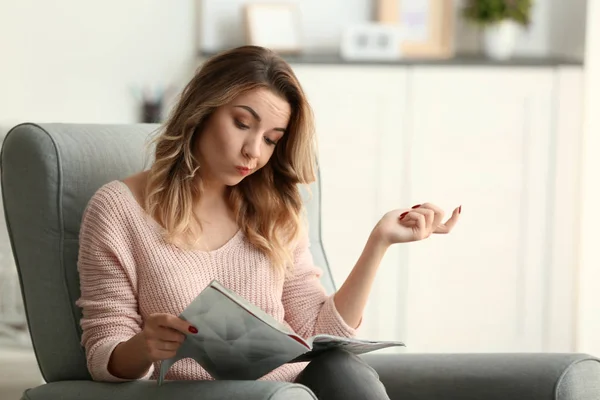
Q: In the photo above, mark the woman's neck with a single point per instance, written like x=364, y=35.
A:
x=213, y=205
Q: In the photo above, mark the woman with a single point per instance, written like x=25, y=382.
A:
x=221, y=201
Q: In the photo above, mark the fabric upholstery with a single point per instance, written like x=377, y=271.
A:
x=536, y=376
x=190, y=390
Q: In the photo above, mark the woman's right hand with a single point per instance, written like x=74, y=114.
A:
x=162, y=335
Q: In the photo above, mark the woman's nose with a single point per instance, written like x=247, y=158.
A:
x=252, y=147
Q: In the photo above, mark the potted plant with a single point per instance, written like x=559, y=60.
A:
x=501, y=21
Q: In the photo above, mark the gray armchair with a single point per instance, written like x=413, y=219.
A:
x=50, y=171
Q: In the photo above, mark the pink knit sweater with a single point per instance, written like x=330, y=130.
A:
x=128, y=272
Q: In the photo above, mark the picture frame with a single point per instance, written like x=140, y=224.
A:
x=273, y=25
x=427, y=26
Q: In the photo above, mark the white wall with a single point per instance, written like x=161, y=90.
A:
x=588, y=320
x=74, y=61
x=568, y=27
x=557, y=27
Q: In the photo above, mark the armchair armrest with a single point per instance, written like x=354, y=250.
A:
x=537, y=376
x=207, y=390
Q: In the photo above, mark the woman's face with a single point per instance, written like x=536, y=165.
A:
x=240, y=137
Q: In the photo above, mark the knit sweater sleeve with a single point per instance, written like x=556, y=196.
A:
x=308, y=308
x=108, y=287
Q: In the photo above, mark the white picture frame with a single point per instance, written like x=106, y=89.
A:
x=273, y=25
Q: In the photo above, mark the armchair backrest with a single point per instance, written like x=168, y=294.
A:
x=49, y=173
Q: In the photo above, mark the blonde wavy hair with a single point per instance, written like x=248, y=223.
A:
x=268, y=203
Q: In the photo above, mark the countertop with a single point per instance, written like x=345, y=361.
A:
x=458, y=60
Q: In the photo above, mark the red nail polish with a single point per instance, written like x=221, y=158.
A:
x=193, y=329
x=459, y=209
x=403, y=214
x=417, y=206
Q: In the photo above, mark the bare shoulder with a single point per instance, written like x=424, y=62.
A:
x=136, y=184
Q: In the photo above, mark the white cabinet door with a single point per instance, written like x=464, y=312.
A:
x=480, y=137
x=360, y=117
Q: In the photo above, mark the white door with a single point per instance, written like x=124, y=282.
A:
x=480, y=137
x=360, y=122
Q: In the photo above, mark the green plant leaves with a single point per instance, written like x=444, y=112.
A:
x=488, y=12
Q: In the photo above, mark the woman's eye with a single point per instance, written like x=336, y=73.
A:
x=270, y=142
x=241, y=125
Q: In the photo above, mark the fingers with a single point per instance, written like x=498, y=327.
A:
x=438, y=213
x=176, y=323
x=156, y=354
x=433, y=216
x=163, y=335
x=421, y=225
x=429, y=215
x=450, y=223
x=169, y=335
x=157, y=348
x=418, y=222
x=163, y=345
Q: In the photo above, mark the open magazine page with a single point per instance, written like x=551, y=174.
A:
x=322, y=343
x=252, y=309
x=232, y=343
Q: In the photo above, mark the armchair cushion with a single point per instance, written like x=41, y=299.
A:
x=538, y=376
x=149, y=390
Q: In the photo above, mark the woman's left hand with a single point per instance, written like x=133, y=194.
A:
x=417, y=223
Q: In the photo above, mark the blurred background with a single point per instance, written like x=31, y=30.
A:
x=488, y=104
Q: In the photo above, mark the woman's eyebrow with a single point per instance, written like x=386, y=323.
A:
x=251, y=111
x=256, y=116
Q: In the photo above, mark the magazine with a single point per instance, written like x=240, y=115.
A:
x=236, y=340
